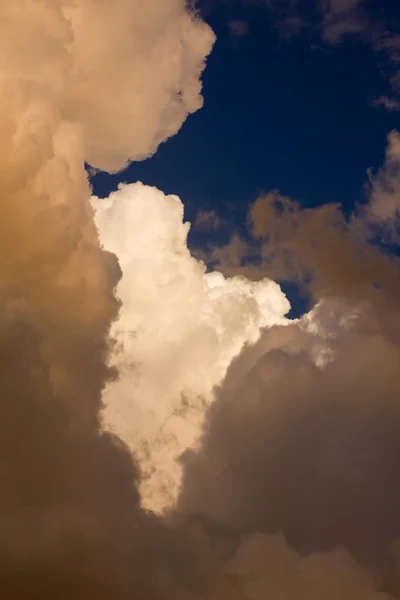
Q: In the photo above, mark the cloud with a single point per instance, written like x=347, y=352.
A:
x=176, y=321
x=383, y=208
x=333, y=22
x=340, y=6
x=207, y=221
x=84, y=82
x=79, y=82
x=238, y=27
x=266, y=566
x=302, y=437
x=305, y=446
x=287, y=431
x=391, y=104
x=319, y=248
x=85, y=55
x=333, y=19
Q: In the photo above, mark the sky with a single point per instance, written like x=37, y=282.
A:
x=295, y=114
x=200, y=283
x=284, y=110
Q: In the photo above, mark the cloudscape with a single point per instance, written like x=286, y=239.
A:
x=200, y=328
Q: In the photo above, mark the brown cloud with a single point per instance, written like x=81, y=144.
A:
x=303, y=437
x=319, y=248
x=80, y=82
x=266, y=566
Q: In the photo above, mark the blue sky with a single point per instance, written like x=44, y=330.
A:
x=294, y=113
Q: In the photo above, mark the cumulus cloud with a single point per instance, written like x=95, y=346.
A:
x=87, y=82
x=176, y=321
x=115, y=49
x=313, y=454
x=299, y=420
x=80, y=81
x=302, y=437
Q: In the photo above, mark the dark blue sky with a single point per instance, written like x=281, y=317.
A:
x=295, y=114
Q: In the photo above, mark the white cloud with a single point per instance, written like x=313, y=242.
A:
x=178, y=327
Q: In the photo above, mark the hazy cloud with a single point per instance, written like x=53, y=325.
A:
x=207, y=221
x=334, y=21
x=383, y=208
x=266, y=566
x=238, y=27
x=387, y=102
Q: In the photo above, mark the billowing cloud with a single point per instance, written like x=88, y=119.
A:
x=302, y=441
x=293, y=482
x=305, y=446
x=115, y=48
x=178, y=327
x=292, y=402
x=302, y=437
x=80, y=81
x=87, y=57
